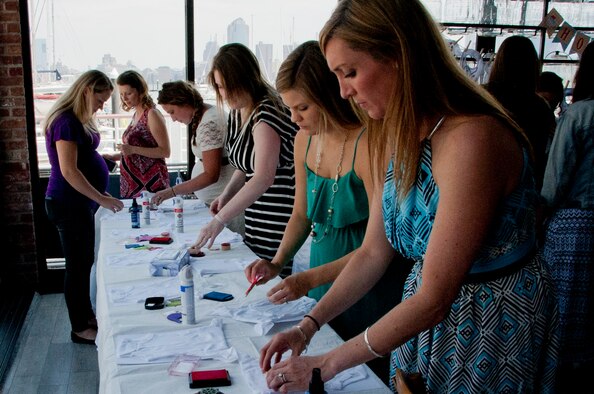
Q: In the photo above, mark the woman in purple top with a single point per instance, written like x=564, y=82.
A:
x=76, y=188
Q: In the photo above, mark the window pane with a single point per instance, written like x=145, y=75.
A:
x=270, y=28
x=73, y=36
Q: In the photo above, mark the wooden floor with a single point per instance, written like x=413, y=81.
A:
x=46, y=360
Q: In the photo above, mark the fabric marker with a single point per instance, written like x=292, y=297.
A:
x=256, y=280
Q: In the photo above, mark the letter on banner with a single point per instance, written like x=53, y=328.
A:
x=580, y=43
x=564, y=36
x=551, y=21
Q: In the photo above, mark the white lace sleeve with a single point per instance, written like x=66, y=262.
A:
x=210, y=133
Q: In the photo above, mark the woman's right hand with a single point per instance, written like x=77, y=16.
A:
x=291, y=339
x=162, y=195
x=111, y=203
x=262, y=268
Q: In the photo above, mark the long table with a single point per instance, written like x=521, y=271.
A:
x=123, y=282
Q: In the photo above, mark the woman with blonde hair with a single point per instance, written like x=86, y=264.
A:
x=455, y=192
x=145, y=143
x=76, y=188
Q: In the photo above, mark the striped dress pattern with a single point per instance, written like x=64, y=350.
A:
x=266, y=219
x=500, y=334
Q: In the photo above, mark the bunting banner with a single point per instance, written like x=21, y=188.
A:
x=579, y=43
x=564, y=35
x=551, y=21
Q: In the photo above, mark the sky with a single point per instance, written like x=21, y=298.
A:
x=151, y=33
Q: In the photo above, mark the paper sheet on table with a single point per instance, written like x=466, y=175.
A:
x=265, y=314
x=189, y=205
x=130, y=258
x=189, y=238
x=250, y=368
x=206, y=342
x=203, y=266
x=126, y=293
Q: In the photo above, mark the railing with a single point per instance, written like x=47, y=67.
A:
x=112, y=126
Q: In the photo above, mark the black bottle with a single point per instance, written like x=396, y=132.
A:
x=135, y=214
x=316, y=385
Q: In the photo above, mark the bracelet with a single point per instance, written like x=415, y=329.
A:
x=366, y=338
x=303, y=335
x=314, y=320
x=218, y=219
x=173, y=191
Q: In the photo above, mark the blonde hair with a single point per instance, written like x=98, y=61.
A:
x=305, y=70
x=428, y=82
x=136, y=81
x=75, y=100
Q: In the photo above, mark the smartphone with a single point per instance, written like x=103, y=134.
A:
x=212, y=378
x=161, y=240
x=217, y=296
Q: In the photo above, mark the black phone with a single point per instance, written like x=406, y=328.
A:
x=217, y=296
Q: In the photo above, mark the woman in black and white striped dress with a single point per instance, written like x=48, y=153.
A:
x=260, y=144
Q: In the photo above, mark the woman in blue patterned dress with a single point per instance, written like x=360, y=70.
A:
x=455, y=192
x=568, y=249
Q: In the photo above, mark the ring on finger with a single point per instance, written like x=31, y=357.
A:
x=285, y=300
x=282, y=377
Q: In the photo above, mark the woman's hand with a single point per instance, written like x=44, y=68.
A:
x=113, y=204
x=218, y=203
x=126, y=149
x=289, y=289
x=292, y=339
x=113, y=157
x=208, y=234
x=162, y=195
x=263, y=268
x=294, y=373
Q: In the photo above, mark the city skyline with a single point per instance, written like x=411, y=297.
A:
x=155, y=36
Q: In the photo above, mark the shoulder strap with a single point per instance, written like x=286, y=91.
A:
x=356, y=145
x=436, y=127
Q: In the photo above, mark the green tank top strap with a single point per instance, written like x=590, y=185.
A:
x=357, y=144
x=307, y=151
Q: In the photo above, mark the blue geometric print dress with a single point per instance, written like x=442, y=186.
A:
x=500, y=334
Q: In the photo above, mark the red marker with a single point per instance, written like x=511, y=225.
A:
x=256, y=280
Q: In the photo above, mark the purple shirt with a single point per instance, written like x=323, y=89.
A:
x=67, y=127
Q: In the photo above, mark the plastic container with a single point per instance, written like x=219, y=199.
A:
x=135, y=214
x=179, y=178
x=178, y=213
x=186, y=279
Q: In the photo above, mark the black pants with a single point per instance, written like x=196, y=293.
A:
x=76, y=226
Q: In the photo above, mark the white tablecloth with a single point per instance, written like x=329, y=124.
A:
x=123, y=281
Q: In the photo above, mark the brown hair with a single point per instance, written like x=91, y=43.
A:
x=306, y=70
x=136, y=81
x=241, y=74
x=182, y=93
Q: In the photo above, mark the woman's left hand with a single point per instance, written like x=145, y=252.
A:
x=294, y=373
x=208, y=234
x=289, y=289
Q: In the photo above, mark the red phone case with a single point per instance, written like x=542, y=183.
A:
x=161, y=240
x=211, y=378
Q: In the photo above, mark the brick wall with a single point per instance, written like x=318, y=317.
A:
x=19, y=260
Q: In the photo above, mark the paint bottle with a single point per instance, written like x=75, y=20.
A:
x=135, y=214
x=178, y=213
x=187, y=295
x=316, y=385
x=146, y=208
